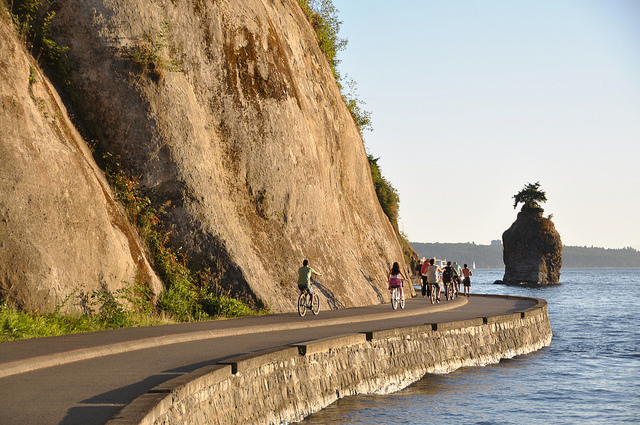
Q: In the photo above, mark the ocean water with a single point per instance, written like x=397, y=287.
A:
x=590, y=374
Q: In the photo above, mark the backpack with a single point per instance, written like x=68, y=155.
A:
x=447, y=274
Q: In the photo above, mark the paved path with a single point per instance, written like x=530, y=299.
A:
x=87, y=378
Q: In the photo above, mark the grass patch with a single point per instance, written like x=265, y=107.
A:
x=16, y=324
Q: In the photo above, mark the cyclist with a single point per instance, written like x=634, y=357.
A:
x=447, y=275
x=457, y=276
x=394, y=279
x=432, y=277
x=304, y=278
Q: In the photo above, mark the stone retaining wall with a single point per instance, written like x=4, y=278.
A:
x=286, y=384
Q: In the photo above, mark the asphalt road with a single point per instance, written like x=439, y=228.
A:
x=87, y=378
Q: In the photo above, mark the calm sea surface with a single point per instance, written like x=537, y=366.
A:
x=589, y=375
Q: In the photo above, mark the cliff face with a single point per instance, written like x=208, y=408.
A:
x=241, y=126
x=532, y=250
x=61, y=233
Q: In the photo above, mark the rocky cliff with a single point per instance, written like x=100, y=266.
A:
x=61, y=232
x=532, y=250
x=240, y=125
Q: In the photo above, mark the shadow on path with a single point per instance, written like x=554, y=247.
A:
x=106, y=405
x=332, y=301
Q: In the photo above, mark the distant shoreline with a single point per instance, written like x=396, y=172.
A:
x=490, y=256
x=564, y=268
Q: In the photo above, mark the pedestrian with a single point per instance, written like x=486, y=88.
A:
x=418, y=268
x=426, y=289
x=466, y=281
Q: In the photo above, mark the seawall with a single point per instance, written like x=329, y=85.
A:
x=285, y=384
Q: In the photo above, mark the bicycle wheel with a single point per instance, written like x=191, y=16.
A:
x=394, y=298
x=302, y=304
x=401, y=301
x=315, y=304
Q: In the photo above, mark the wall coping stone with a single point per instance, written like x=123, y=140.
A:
x=190, y=382
x=457, y=324
x=326, y=344
x=398, y=332
x=145, y=410
x=502, y=318
x=259, y=358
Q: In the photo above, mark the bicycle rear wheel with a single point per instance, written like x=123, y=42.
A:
x=315, y=304
x=302, y=304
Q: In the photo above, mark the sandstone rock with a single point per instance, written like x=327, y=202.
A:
x=532, y=250
x=245, y=132
x=61, y=233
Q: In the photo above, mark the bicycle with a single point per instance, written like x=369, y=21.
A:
x=450, y=292
x=396, y=298
x=308, y=301
x=457, y=282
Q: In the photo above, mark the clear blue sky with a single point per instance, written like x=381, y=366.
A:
x=470, y=100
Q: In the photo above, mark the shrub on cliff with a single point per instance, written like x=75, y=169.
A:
x=32, y=19
x=186, y=296
x=387, y=194
x=323, y=16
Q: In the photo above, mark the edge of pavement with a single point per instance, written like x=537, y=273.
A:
x=41, y=362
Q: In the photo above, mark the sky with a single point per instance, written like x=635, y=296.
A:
x=471, y=100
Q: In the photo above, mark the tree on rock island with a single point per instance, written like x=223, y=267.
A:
x=532, y=247
x=531, y=197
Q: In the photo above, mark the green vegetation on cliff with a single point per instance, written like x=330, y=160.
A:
x=187, y=295
x=323, y=16
x=387, y=194
x=32, y=19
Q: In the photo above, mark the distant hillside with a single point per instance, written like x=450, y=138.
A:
x=490, y=256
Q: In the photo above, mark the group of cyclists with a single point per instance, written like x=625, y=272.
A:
x=452, y=276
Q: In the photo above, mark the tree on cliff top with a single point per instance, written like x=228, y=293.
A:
x=530, y=196
x=323, y=16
